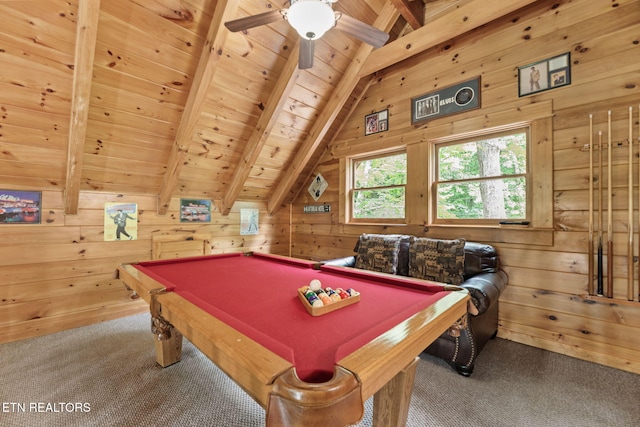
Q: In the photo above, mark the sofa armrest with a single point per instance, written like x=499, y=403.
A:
x=485, y=289
x=480, y=258
x=348, y=261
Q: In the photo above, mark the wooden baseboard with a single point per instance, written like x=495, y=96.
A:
x=48, y=325
x=617, y=361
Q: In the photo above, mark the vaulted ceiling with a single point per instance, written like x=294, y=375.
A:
x=159, y=97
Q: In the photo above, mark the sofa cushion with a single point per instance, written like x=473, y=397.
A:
x=436, y=259
x=378, y=252
x=403, y=252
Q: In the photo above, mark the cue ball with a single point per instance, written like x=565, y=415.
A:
x=315, y=285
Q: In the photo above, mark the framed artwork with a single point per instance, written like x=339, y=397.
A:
x=450, y=100
x=544, y=75
x=120, y=221
x=376, y=122
x=317, y=187
x=20, y=207
x=249, y=221
x=193, y=210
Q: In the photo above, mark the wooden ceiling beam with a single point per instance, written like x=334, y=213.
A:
x=86, y=34
x=337, y=99
x=216, y=37
x=436, y=8
x=412, y=11
x=262, y=130
x=458, y=21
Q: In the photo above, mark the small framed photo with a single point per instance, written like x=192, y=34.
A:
x=376, y=122
x=544, y=75
x=20, y=207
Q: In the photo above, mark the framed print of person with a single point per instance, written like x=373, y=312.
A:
x=376, y=122
x=120, y=221
x=544, y=75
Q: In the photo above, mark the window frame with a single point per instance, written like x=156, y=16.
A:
x=351, y=162
x=538, y=115
x=436, y=144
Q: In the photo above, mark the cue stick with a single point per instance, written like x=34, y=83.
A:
x=630, y=221
x=600, y=197
x=609, y=213
x=590, y=287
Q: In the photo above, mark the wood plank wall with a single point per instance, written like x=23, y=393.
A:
x=545, y=304
x=60, y=274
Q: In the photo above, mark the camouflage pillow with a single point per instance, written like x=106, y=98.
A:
x=378, y=252
x=437, y=260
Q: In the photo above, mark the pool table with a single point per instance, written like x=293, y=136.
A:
x=243, y=312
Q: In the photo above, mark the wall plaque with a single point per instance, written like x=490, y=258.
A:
x=450, y=100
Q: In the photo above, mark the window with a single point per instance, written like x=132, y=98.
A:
x=378, y=188
x=482, y=179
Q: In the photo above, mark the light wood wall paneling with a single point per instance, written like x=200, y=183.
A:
x=568, y=323
x=573, y=118
x=546, y=303
x=581, y=347
x=59, y=270
x=53, y=288
x=55, y=306
x=69, y=281
x=562, y=302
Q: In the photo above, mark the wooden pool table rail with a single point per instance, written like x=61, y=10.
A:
x=384, y=368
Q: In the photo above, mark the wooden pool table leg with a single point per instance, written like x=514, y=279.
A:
x=391, y=402
x=168, y=340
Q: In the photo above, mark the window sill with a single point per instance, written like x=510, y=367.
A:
x=515, y=234
x=503, y=233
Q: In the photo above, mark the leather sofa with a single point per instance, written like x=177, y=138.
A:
x=485, y=281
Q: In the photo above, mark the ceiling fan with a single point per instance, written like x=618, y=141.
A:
x=311, y=19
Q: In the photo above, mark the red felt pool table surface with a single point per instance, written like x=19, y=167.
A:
x=256, y=295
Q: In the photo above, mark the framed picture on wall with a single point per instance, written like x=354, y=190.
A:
x=376, y=122
x=450, y=100
x=249, y=221
x=120, y=221
x=20, y=207
x=194, y=210
x=544, y=75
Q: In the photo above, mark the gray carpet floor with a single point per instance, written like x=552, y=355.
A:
x=105, y=375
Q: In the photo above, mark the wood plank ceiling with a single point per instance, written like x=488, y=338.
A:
x=158, y=97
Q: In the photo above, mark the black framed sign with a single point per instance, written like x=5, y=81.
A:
x=544, y=75
x=450, y=100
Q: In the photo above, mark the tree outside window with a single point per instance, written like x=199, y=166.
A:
x=482, y=179
x=379, y=186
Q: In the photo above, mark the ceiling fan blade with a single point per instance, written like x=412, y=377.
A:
x=247, y=22
x=362, y=31
x=305, y=59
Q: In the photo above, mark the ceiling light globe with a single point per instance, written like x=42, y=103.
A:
x=311, y=18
